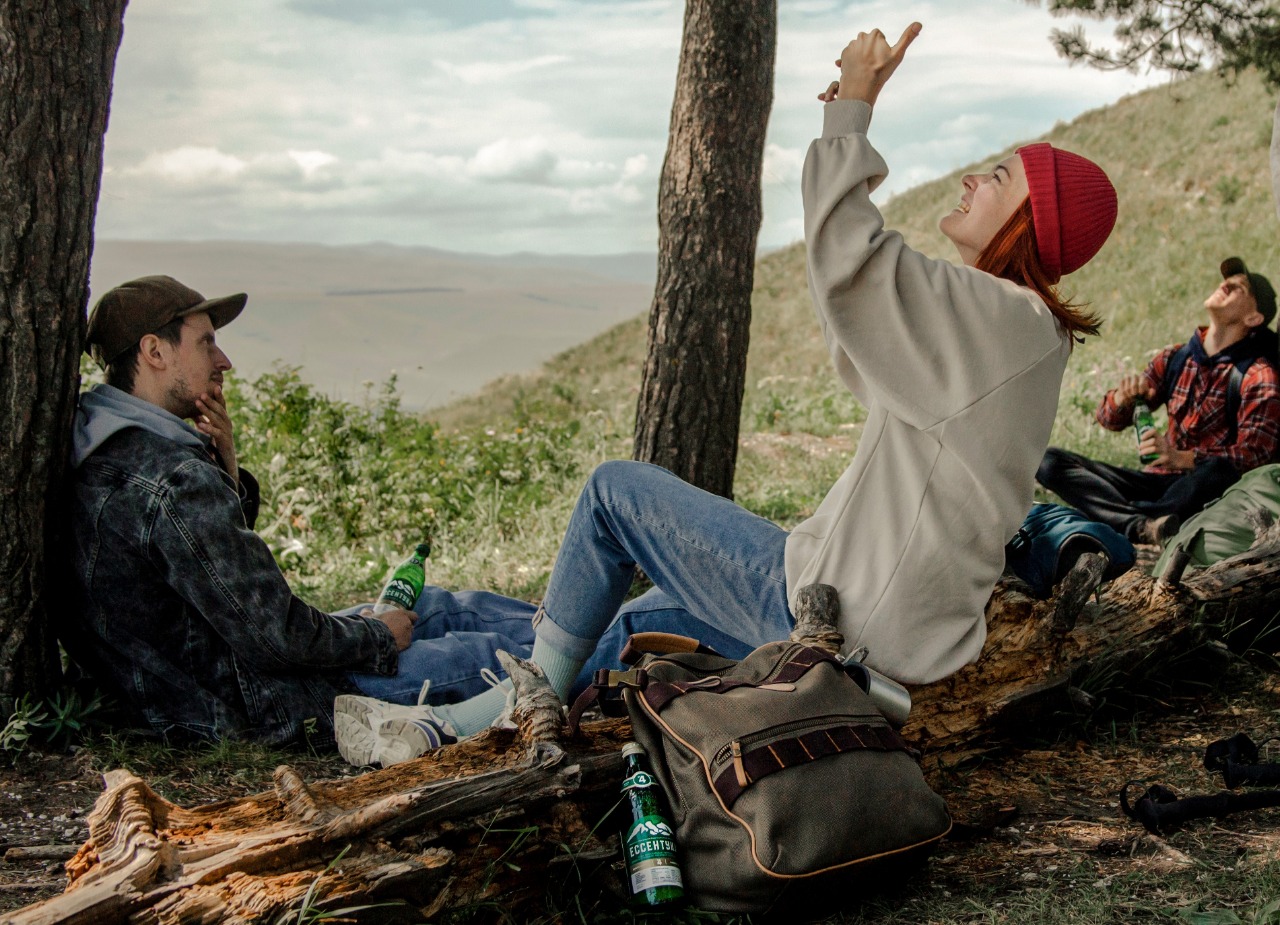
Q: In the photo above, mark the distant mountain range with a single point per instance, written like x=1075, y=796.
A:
x=445, y=323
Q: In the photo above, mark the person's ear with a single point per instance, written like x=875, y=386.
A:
x=1255, y=319
x=151, y=352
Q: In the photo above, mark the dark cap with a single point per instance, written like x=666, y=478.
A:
x=1263, y=292
x=143, y=306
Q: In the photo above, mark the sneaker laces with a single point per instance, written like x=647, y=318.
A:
x=503, y=720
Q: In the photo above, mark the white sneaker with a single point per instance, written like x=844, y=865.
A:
x=405, y=738
x=357, y=722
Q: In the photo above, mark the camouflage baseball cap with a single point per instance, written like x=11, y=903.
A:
x=143, y=306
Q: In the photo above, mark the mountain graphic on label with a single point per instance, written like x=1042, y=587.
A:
x=650, y=829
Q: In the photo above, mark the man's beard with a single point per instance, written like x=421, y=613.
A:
x=181, y=400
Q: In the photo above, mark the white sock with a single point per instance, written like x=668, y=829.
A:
x=478, y=713
x=560, y=669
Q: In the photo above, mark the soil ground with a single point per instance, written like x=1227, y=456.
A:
x=1033, y=814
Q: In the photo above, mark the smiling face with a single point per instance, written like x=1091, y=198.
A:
x=1233, y=304
x=986, y=204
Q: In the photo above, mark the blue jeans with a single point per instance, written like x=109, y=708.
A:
x=454, y=639
x=718, y=571
x=718, y=568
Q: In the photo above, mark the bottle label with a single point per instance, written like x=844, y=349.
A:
x=400, y=593
x=638, y=781
x=651, y=854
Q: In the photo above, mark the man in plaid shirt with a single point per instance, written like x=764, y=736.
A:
x=1206, y=448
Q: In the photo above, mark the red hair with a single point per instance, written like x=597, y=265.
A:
x=1012, y=255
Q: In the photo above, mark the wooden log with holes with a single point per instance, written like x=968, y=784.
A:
x=510, y=811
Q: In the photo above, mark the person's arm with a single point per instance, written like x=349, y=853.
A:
x=225, y=571
x=923, y=336
x=1115, y=412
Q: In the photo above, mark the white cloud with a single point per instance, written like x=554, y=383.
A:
x=192, y=164
x=782, y=165
x=518, y=126
x=311, y=161
x=495, y=73
x=525, y=160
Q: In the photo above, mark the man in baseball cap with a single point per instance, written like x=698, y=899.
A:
x=144, y=306
x=182, y=613
x=1222, y=393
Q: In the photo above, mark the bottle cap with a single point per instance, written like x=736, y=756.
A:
x=423, y=549
x=632, y=748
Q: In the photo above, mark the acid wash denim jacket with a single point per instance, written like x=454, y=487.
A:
x=180, y=606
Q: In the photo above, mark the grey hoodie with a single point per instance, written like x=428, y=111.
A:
x=105, y=410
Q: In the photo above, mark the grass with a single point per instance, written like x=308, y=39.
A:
x=348, y=488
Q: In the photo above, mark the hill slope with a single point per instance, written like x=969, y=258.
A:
x=1190, y=162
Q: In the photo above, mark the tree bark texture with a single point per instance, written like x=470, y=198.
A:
x=708, y=217
x=57, y=58
x=509, y=812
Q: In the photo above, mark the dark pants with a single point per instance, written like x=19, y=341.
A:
x=1123, y=498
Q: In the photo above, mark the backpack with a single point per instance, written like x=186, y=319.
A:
x=785, y=782
x=1052, y=537
x=1222, y=529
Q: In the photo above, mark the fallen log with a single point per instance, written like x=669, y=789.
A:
x=500, y=813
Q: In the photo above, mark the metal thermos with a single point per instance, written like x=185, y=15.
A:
x=892, y=699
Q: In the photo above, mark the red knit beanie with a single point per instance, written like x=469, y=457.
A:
x=1073, y=206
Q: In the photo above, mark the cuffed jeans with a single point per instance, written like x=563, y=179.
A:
x=717, y=570
x=1122, y=498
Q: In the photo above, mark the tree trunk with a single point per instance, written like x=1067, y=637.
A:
x=708, y=218
x=508, y=813
x=56, y=63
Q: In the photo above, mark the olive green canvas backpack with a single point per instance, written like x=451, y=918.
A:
x=786, y=784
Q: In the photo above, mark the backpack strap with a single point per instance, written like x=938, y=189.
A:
x=1235, y=380
x=657, y=694
x=780, y=754
x=1172, y=370
x=639, y=644
x=1161, y=811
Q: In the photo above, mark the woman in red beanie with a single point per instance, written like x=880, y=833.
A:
x=959, y=368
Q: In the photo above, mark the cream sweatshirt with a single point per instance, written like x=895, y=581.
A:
x=959, y=371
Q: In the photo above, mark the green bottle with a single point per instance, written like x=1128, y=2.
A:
x=406, y=583
x=649, y=844
x=1143, y=422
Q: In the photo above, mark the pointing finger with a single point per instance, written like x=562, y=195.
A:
x=908, y=36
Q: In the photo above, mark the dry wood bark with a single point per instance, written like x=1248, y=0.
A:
x=57, y=58
x=456, y=827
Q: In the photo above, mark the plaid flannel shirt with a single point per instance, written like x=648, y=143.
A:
x=1197, y=406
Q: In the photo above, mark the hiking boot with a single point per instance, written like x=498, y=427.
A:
x=1155, y=530
x=357, y=722
x=406, y=738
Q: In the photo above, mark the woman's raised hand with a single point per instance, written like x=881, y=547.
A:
x=866, y=65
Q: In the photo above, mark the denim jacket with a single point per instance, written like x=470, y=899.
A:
x=182, y=609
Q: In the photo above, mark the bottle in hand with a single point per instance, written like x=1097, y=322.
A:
x=406, y=583
x=648, y=842
x=1143, y=421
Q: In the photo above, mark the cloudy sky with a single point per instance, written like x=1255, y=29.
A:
x=508, y=125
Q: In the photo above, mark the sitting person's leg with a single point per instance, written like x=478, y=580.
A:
x=1108, y=494
x=454, y=641
x=1188, y=495
x=712, y=558
x=656, y=612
